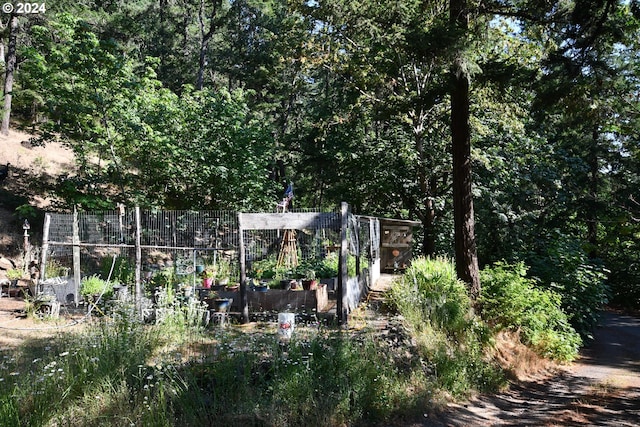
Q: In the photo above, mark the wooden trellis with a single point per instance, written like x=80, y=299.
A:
x=288, y=255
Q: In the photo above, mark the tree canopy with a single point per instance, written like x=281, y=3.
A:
x=512, y=125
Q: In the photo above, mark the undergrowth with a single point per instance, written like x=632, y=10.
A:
x=123, y=372
x=511, y=301
x=175, y=372
x=450, y=338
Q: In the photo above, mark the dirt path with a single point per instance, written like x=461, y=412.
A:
x=600, y=389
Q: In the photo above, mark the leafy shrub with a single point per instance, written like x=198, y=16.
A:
x=267, y=268
x=430, y=291
x=438, y=311
x=581, y=282
x=329, y=266
x=123, y=271
x=511, y=301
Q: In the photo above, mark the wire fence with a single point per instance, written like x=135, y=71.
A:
x=180, y=245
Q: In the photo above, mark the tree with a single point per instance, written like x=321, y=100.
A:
x=9, y=72
x=208, y=24
x=199, y=150
x=464, y=221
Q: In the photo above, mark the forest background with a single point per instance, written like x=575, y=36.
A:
x=217, y=104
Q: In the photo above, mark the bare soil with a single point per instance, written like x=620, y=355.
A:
x=32, y=172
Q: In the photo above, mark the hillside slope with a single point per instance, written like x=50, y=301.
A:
x=32, y=172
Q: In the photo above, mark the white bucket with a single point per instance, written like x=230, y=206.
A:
x=286, y=324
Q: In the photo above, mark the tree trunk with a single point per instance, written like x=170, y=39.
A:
x=205, y=37
x=592, y=198
x=464, y=223
x=428, y=227
x=8, y=81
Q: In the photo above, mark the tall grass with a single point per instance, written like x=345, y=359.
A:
x=122, y=372
x=450, y=337
x=175, y=372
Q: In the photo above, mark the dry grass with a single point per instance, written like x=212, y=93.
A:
x=29, y=161
x=520, y=361
x=32, y=172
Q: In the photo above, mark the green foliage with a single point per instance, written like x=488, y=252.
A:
x=164, y=278
x=148, y=139
x=27, y=212
x=512, y=301
x=94, y=285
x=438, y=311
x=581, y=282
x=118, y=270
x=431, y=291
x=329, y=266
x=15, y=274
x=267, y=268
x=55, y=269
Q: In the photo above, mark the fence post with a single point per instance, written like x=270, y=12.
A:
x=76, y=256
x=342, y=300
x=373, y=251
x=45, y=248
x=357, y=246
x=138, y=272
x=244, y=305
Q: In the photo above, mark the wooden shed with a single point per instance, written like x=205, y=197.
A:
x=396, y=244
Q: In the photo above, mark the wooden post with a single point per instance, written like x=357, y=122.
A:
x=342, y=300
x=358, y=249
x=45, y=246
x=77, y=274
x=244, y=303
x=373, y=276
x=138, y=273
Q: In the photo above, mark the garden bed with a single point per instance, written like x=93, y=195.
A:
x=280, y=299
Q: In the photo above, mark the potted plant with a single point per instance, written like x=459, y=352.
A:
x=309, y=282
x=224, y=271
x=260, y=285
x=92, y=287
x=208, y=277
x=233, y=286
x=217, y=303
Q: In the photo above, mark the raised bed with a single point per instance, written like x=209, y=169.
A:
x=280, y=299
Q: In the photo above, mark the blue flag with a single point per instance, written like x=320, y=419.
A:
x=289, y=191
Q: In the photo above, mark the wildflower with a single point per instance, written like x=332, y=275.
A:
x=66, y=353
